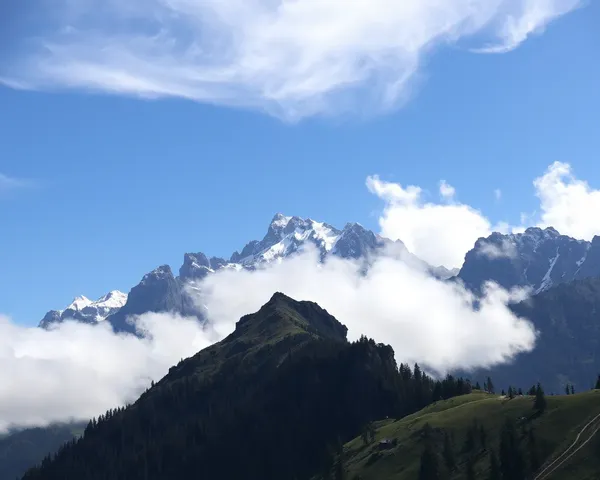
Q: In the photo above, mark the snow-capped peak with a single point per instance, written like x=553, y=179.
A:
x=79, y=303
x=280, y=221
x=113, y=299
x=87, y=311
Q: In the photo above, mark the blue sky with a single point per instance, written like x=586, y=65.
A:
x=107, y=185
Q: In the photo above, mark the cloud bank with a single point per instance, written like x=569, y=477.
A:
x=77, y=371
x=568, y=204
x=425, y=320
x=290, y=58
x=442, y=232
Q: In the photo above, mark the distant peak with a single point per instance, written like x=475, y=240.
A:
x=280, y=220
x=353, y=226
x=79, y=303
x=112, y=294
x=160, y=273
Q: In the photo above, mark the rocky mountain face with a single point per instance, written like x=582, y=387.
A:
x=87, y=311
x=567, y=349
x=161, y=291
x=539, y=259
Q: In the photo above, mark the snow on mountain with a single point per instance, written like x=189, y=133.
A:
x=161, y=291
x=537, y=258
x=284, y=237
x=86, y=310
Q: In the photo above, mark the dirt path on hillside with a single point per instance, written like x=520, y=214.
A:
x=569, y=452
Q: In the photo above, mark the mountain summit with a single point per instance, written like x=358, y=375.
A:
x=537, y=258
x=87, y=311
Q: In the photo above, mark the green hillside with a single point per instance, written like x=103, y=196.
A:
x=553, y=431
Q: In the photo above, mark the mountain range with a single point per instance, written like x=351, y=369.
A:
x=537, y=259
x=162, y=291
x=87, y=311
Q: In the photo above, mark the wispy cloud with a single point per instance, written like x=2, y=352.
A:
x=290, y=58
x=10, y=183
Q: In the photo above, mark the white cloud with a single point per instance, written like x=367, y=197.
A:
x=440, y=234
x=291, y=58
x=447, y=191
x=491, y=250
x=532, y=18
x=568, y=204
x=77, y=371
x=425, y=320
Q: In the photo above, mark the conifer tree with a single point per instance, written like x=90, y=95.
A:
x=471, y=468
x=430, y=468
x=449, y=458
x=534, y=459
x=539, y=403
x=490, y=385
x=572, y=390
x=478, y=387
x=512, y=463
x=520, y=392
x=598, y=383
x=494, y=467
x=482, y=437
x=567, y=391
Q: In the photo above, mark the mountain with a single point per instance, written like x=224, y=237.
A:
x=161, y=291
x=270, y=401
x=536, y=258
x=87, y=311
x=568, y=347
x=23, y=449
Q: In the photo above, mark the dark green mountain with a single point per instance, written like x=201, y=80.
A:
x=274, y=400
x=22, y=449
x=568, y=347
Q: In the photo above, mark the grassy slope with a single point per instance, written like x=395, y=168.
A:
x=555, y=429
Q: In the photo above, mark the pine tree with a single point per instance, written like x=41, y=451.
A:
x=482, y=437
x=539, y=403
x=478, y=387
x=430, y=468
x=512, y=463
x=449, y=458
x=490, y=385
x=470, y=439
x=572, y=390
x=598, y=383
x=520, y=392
x=567, y=391
x=494, y=467
x=502, y=393
x=534, y=459
x=511, y=393
x=471, y=468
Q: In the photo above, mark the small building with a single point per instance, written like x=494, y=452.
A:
x=386, y=444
